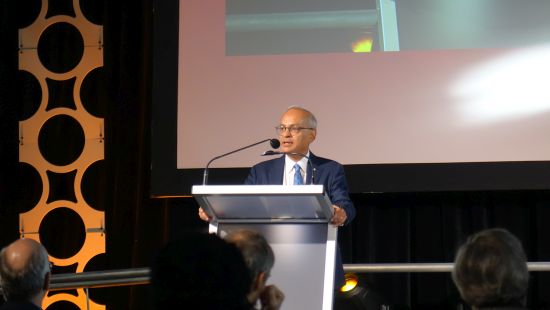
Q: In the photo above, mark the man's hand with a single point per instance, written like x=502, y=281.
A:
x=271, y=298
x=339, y=216
x=205, y=217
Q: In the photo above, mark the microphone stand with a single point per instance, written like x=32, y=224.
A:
x=271, y=153
x=274, y=143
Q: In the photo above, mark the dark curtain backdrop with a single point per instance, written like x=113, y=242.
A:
x=390, y=227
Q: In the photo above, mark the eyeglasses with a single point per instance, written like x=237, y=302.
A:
x=292, y=129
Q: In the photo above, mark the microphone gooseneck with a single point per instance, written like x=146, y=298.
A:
x=313, y=170
x=273, y=142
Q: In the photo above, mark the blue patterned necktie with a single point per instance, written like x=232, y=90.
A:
x=298, y=180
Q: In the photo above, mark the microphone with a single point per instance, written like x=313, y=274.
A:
x=271, y=153
x=273, y=142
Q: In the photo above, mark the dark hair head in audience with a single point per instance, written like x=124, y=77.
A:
x=200, y=271
x=491, y=270
x=257, y=252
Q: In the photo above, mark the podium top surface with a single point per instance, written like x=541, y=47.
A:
x=256, y=189
x=244, y=203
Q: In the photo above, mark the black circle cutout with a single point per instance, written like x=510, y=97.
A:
x=60, y=47
x=93, y=92
x=62, y=232
x=26, y=12
x=29, y=187
x=61, y=140
x=63, y=305
x=93, y=10
x=29, y=94
x=93, y=180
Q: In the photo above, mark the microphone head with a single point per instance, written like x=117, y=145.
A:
x=275, y=143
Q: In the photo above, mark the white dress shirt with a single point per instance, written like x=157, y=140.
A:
x=288, y=178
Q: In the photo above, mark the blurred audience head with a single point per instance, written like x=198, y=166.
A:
x=258, y=256
x=257, y=253
x=491, y=270
x=200, y=271
x=24, y=271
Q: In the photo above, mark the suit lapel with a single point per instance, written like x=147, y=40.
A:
x=276, y=177
x=313, y=160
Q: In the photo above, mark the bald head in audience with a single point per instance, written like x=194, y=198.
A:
x=24, y=272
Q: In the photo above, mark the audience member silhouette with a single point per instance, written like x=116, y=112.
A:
x=490, y=271
x=24, y=275
x=259, y=258
x=200, y=271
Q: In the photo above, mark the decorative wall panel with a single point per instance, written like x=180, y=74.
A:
x=89, y=48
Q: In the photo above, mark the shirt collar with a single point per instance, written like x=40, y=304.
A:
x=289, y=163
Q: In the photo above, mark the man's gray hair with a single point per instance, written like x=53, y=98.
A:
x=257, y=253
x=311, y=119
x=24, y=284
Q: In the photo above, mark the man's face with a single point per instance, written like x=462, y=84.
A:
x=296, y=142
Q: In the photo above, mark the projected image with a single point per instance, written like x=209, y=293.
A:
x=312, y=26
x=304, y=26
x=466, y=24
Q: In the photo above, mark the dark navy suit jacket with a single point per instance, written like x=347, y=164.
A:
x=327, y=172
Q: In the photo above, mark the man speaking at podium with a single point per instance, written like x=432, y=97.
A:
x=296, y=131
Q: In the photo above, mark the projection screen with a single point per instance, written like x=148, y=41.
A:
x=449, y=90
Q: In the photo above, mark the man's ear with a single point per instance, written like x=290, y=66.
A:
x=259, y=281
x=47, y=281
x=313, y=134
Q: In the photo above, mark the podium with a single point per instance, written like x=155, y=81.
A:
x=295, y=222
